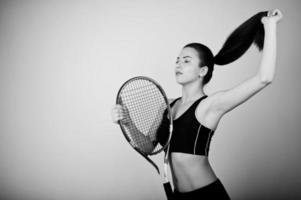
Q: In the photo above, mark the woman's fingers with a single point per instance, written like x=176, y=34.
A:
x=278, y=14
x=273, y=16
x=117, y=113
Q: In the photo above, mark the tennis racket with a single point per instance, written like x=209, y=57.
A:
x=144, y=103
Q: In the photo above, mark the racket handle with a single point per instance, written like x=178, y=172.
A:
x=168, y=190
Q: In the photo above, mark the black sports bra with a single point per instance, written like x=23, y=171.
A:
x=189, y=136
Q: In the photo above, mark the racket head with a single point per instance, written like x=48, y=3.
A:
x=145, y=103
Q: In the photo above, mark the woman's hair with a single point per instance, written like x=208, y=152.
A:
x=235, y=45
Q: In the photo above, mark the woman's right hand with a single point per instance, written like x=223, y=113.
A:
x=120, y=114
x=117, y=113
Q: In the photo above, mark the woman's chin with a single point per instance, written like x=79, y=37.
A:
x=180, y=82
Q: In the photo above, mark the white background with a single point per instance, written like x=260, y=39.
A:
x=62, y=63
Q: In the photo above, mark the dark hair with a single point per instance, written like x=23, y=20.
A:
x=235, y=45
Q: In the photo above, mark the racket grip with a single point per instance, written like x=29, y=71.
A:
x=168, y=190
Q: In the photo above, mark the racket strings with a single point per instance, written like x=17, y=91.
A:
x=144, y=106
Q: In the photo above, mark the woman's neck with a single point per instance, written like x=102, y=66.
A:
x=191, y=92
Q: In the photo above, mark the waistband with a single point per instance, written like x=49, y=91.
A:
x=212, y=188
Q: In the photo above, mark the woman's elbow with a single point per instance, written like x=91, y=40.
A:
x=266, y=80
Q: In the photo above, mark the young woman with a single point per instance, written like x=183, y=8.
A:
x=196, y=115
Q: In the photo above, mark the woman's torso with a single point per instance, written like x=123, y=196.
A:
x=189, y=170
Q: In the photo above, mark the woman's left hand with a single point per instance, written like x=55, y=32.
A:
x=274, y=16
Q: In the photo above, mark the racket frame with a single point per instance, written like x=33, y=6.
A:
x=166, y=184
x=167, y=107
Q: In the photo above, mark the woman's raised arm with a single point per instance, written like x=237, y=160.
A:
x=224, y=101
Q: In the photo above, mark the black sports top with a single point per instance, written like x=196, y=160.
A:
x=189, y=135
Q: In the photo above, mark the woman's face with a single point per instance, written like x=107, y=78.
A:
x=187, y=68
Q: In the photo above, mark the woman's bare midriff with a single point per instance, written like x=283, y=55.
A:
x=190, y=172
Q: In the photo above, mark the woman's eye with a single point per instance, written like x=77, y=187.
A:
x=185, y=61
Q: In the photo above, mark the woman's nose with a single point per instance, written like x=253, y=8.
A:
x=178, y=64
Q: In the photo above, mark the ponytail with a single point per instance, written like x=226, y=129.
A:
x=238, y=42
x=241, y=39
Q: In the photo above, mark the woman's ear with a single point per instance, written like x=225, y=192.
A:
x=203, y=71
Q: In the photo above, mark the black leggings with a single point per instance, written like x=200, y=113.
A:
x=213, y=191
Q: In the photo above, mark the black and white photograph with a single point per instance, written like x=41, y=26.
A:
x=150, y=100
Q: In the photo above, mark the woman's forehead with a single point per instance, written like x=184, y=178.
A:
x=188, y=51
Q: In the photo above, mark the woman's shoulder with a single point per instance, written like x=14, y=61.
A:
x=208, y=105
x=211, y=98
x=205, y=112
x=170, y=100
